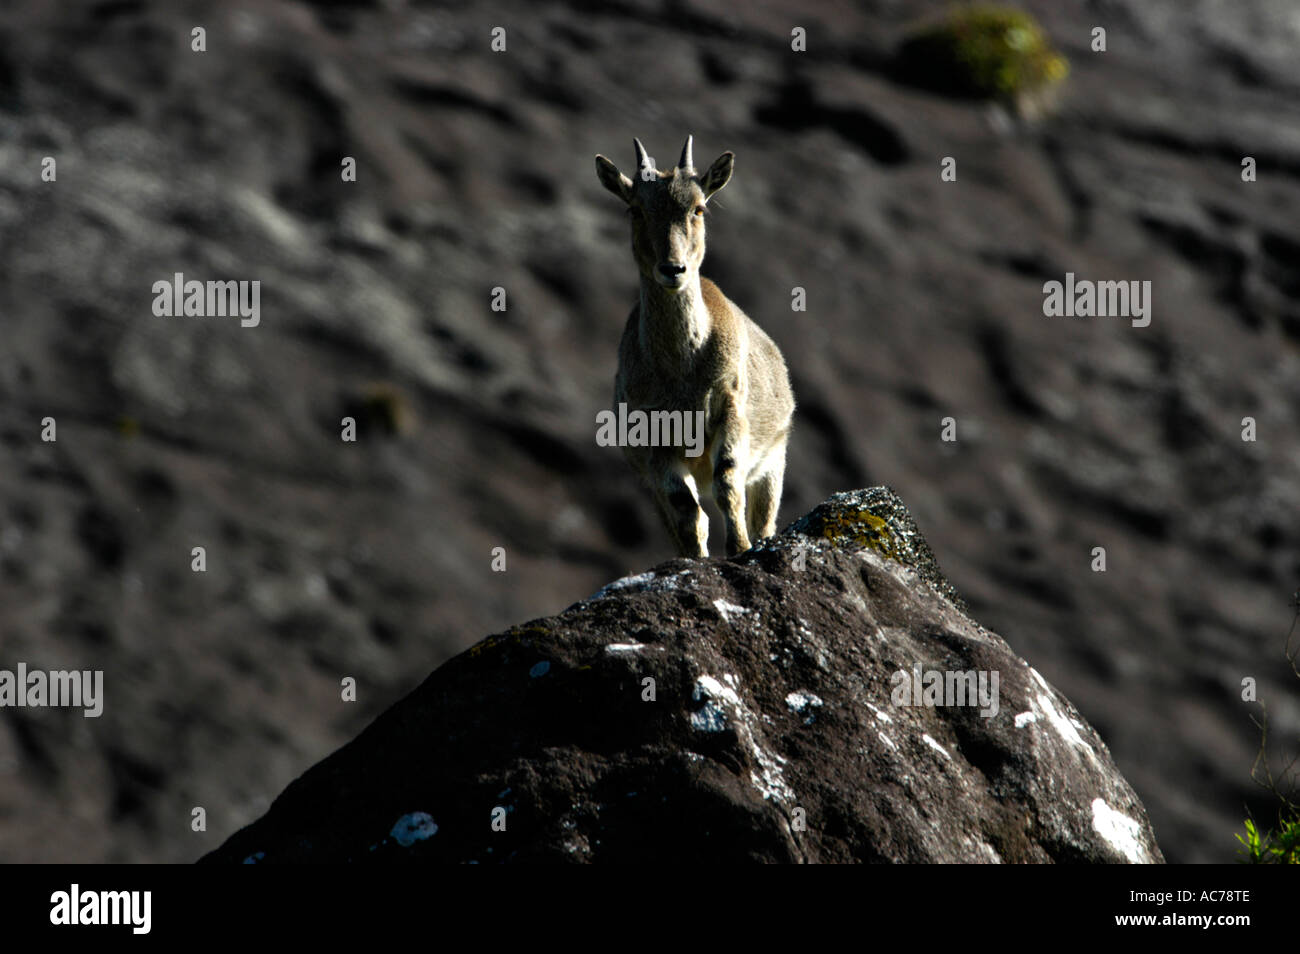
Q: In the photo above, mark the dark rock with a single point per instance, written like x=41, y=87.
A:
x=774, y=732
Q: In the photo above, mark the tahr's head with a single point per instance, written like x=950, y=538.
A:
x=667, y=212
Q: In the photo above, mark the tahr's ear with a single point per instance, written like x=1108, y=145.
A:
x=612, y=179
x=718, y=173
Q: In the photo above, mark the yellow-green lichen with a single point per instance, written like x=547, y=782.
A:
x=862, y=527
x=985, y=51
x=488, y=643
x=875, y=518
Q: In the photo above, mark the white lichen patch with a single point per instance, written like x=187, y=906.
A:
x=706, y=687
x=723, y=706
x=633, y=583
x=799, y=701
x=936, y=746
x=880, y=716
x=982, y=849
x=729, y=611
x=641, y=582
x=712, y=716
x=615, y=649
x=1063, y=726
x=804, y=703
x=1121, y=832
x=771, y=784
x=416, y=826
x=1025, y=718
x=1041, y=681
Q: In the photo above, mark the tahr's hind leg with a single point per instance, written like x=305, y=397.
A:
x=679, y=506
x=728, y=481
x=763, y=497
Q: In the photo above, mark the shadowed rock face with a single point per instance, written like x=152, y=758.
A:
x=775, y=732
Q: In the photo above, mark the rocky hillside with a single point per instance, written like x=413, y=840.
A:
x=373, y=560
x=712, y=711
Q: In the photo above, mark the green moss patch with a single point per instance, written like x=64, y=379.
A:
x=875, y=519
x=983, y=52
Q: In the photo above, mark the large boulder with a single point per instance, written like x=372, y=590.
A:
x=760, y=708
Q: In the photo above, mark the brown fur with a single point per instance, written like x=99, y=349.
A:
x=687, y=347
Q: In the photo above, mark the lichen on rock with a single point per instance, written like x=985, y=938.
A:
x=876, y=518
x=986, y=52
x=695, y=722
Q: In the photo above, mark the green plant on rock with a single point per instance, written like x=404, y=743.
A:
x=1282, y=845
x=986, y=52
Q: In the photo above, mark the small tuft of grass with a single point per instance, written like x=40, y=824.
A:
x=382, y=407
x=1280, y=847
